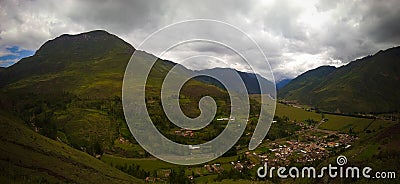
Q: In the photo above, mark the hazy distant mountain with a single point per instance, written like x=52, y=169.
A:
x=249, y=79
x=282, y=83
x=370, y=84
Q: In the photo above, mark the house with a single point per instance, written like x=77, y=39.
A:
x=226, y=119
x=191, y=147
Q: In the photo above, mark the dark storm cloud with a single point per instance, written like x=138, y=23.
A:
x=279, y=21
x=381, y=21
x=120, y=16
x=360, y=28
x=295, y=35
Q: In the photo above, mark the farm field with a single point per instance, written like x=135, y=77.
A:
x=334, y=122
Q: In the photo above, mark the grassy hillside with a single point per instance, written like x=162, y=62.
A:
x=71, y=90
x=366, y=85
x=80, y=53
x=27, y=157
x=298, y=88
x=282, y=83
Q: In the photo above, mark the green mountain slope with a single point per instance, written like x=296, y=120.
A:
x=366, y=85
x=299, y=87
x=71, y=90
x=282, y=83
x=85, y=53
x=27, y=157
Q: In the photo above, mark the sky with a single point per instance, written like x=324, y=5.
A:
x=295, y=36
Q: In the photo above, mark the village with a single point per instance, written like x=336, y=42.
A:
x=307, y=146
x=310, y=146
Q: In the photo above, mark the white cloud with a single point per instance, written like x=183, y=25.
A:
x=295, y=35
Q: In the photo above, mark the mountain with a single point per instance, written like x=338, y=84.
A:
x=300, y=86
x=365, y=85
x=282, y=83
x=68, y=52
x=70, y=90
x=249, y=79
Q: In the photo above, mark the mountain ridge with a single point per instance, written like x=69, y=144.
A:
x=33, y=158
x=282, y=83
x=250, y=80
x=365, y=85
x=79, y=100
x=44, y=61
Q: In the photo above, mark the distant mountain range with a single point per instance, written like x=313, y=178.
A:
x=282, y=83
x=370, y=84
x=250, y=80
x=365, y=85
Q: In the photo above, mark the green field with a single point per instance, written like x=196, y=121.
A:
x=294, y=113
x=344, y=123
x=334, y=122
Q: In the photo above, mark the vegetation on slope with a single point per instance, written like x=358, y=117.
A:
x=366, y=85
x=28, y=157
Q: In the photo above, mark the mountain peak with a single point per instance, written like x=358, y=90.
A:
x=89, y=34
x=325, y=67
x=94, y=43
x=71, y=50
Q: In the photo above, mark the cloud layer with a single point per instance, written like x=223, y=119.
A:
x=295, y=35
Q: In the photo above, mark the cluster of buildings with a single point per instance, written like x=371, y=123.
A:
x=313, y=148
x=214, y=168
x=239, y=166
x=184, y=132
x=304, y=126
x=299, y=152
x=226, y=119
